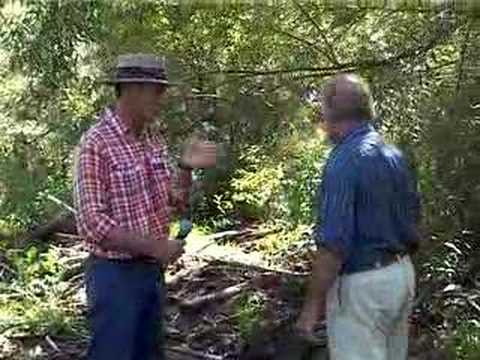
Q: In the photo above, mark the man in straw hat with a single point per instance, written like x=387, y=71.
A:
x=363, y=281
x=125, y=193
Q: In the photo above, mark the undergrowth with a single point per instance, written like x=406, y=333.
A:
x=248, y=313
x=465, y=344
x=35, y=297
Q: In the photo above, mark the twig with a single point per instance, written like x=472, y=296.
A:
x=216, y=296
x=330, y=54
x=212, y=239
x=474, y=305
x=69, y=236
x=172, y=282
x=224, y=235
x=61, y=203
x=301, y=40
x=5, y=268
x=194, y=353
x=52, y=344
x=171, y=331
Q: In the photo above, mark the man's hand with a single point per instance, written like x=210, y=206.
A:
x=132, y=242
x=309, y=318
x=176, y=248
x=325, y=269
x=199, y=154
x=136, y=244
x=165, y=252
x=144, y=246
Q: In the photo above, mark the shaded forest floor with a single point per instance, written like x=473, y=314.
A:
x=225, y=299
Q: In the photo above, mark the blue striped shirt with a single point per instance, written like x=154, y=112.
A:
x=369, y=204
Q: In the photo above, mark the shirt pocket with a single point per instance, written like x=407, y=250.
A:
x=162, y=176
x=126, y=179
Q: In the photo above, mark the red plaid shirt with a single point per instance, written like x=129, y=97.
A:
x=127, y=182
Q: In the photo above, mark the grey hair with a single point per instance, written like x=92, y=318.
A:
x=348, y=97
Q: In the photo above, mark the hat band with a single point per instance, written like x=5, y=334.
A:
x=141, y=73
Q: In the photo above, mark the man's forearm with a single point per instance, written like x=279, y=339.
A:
x=185, y=185
x=325, y=269
x=131, y=242
x=121, y=240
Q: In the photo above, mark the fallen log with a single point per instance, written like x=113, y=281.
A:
x=219, y=262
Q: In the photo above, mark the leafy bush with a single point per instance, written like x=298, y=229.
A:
x=248, y=313
x=276, y=186
x=304, y=161
x=466, y=342
x=37, y=300
x=256, y=186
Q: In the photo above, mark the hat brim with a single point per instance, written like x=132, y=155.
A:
x=139, y=80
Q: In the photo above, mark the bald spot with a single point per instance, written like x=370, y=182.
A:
x=348, y=97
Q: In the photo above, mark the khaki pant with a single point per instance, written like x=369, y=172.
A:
x=367, y=313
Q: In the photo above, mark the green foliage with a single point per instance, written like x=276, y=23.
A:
x=248, y=312
x=36, y=300
x=255, y=185
x=276, y=246
x=39, y=317
x=36, y=264
x=244, y=70
x=304, y=161
x=276, y=188
x=466, y=342
x=256, y=61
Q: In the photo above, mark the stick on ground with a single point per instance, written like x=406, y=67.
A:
x=216, y=296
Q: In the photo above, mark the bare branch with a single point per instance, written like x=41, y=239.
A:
x=299, y=39
x=331, y=51
x=222, y=294
x=358, y=18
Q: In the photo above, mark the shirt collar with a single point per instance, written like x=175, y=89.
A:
x=359, y=130
x=112, y=117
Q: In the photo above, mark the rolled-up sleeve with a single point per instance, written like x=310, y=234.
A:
x=94, y=222
x=335, y=225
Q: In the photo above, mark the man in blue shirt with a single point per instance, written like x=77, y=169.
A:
x=363, y=281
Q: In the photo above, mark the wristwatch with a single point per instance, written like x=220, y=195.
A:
x=183, y=166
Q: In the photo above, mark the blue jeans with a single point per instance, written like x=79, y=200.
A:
x=125, y=301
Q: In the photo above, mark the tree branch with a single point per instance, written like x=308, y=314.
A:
x=358, y=18
x=462, y=58
x=302, y=40
x=331, y=51
x=392, y=8
x=335, y=68
x=310, y=72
